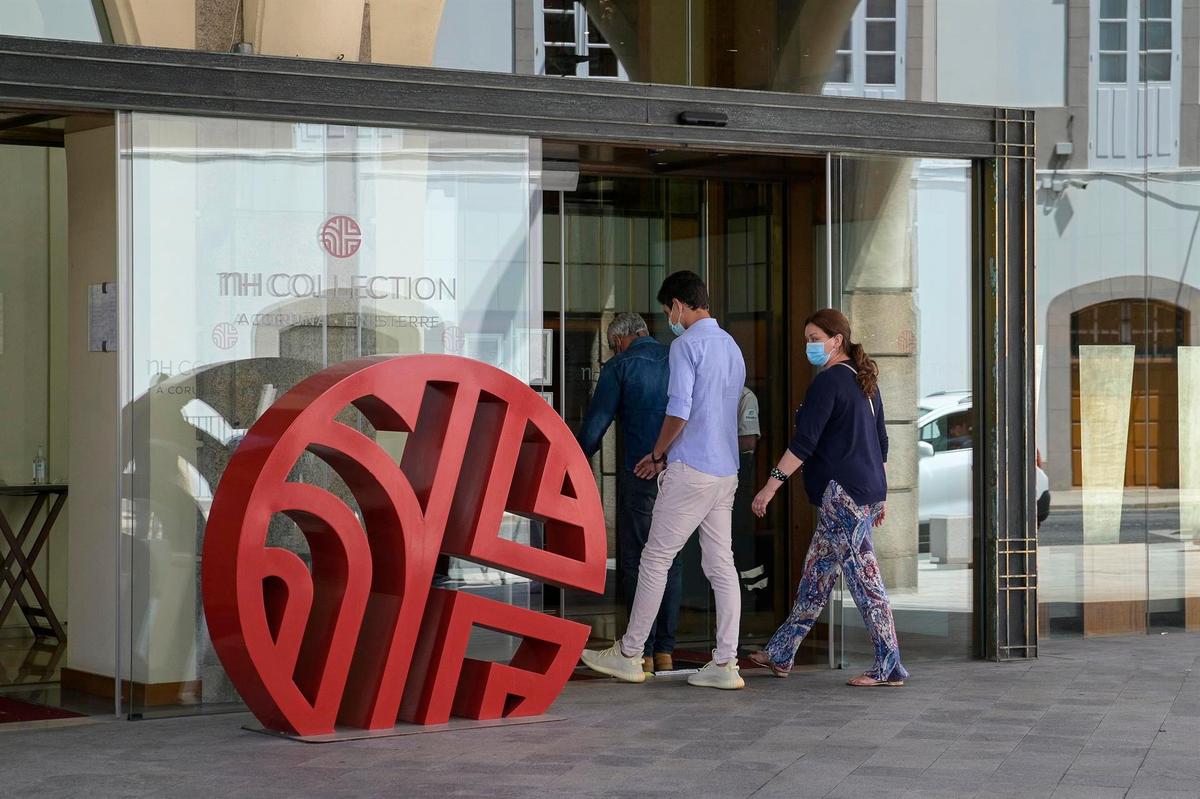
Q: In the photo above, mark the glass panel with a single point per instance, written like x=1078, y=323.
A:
x=263, y=252
x=1113, y=9
x=1112, y=36
x=602, y=64
x=1156, y=9
x=841, y=70
x=881, y=69
x=781, y=46
x=560, y=27
x=1112, y=68
x=36, y=293
x=749, y=298
x=1156, y=36
x=881, y=35
x=881, y=8
x=623, y=236
x=1156, y=67
x=902, y=242
x=51, y=19
x=1168, y=416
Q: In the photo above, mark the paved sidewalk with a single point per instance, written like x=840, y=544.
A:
x=1096, y=719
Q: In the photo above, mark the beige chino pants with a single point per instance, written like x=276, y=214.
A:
x=689, y=499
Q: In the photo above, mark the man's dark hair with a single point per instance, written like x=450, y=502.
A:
x=687, y=287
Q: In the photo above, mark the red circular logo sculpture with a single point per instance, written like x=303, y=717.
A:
x=362, y=639
x=341, y=236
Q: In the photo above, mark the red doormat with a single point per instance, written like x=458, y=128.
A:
x=14, y=710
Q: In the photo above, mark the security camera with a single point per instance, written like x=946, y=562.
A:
x=1060, y=185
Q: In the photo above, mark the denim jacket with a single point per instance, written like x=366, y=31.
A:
x=633, y=385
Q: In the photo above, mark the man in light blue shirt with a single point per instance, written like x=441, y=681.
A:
x=697, y=457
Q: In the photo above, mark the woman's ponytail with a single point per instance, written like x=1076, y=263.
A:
x=868, y=370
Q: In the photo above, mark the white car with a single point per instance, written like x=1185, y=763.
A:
x=944, y=440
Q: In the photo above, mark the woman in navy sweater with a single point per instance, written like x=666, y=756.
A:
x=842, y=443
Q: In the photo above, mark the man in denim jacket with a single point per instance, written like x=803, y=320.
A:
x=633, y=387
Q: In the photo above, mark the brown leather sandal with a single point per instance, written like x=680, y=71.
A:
x=865, y=681
x=761, y=658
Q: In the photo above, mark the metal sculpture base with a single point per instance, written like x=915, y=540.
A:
x=349, y=734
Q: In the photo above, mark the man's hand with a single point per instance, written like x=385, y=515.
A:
x=648, y=468
x=882, y=515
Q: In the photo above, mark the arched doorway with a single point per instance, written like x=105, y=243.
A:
x=1156, y=329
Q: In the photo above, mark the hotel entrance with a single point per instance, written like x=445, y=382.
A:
x=758, y=229
x=633, y=217
x=250, y=246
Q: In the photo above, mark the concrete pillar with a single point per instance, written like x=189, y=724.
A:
x=157, y=23
x=721, y=43
x=308, y=28
x=405, y=31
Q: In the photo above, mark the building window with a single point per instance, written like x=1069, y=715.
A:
x=75, y=20
x=1135, y=71
x=870, y=58
x=567, y=43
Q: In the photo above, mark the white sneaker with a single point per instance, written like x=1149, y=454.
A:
x=712, y=675
x=613, y=662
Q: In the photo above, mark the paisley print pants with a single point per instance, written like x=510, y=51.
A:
x=843, y=537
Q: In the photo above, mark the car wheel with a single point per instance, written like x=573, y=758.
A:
x=1043, y=507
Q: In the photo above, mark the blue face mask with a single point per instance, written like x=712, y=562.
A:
x=817, y=355
x=677, y=327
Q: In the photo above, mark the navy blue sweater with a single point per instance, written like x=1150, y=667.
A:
x=839, y=438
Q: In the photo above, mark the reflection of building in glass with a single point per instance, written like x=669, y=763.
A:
x=426, y=177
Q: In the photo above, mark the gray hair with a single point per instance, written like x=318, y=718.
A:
x=627, y=323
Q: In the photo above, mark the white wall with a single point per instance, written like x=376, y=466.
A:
x=475, y=34
x=943, y=293
x=1002, y=52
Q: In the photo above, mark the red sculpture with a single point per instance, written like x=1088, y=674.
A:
x=362, y=640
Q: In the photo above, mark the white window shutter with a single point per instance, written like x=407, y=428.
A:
x=1134, y=121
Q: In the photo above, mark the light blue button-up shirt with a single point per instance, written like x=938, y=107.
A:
x=707, y=376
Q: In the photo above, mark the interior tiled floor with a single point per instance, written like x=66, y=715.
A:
x=1117, y=717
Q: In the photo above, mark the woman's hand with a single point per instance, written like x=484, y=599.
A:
x=762, y=499
x=882, y=515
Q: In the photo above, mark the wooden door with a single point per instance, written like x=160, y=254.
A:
x=1156, y=330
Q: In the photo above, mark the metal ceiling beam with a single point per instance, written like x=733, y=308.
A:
x=37, y=73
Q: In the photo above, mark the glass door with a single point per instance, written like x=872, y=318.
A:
x=607, y=246
x=900, y=268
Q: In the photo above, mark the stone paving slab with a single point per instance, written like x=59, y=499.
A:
x=1090, y=719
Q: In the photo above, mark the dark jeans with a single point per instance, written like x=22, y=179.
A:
x=636, y=497
x=744, y=544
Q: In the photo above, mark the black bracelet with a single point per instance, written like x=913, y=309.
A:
x=778, y=474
